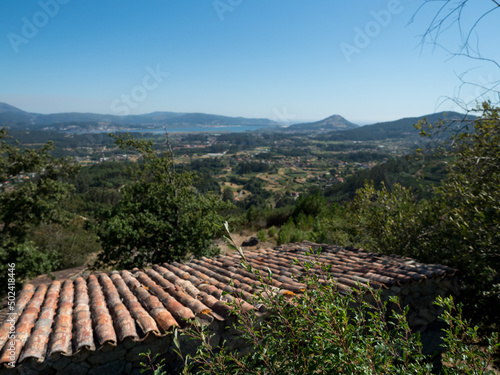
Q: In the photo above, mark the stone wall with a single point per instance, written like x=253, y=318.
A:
x=421, y=296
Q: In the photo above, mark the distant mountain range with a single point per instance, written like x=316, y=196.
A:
x=335, y=122
x=16, y=118
x=334, y=127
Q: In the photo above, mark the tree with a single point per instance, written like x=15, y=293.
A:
x=228, y=195
x=161, y=217
x=310, y=204
x=32, y=188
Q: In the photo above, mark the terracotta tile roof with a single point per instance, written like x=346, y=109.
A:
x=104, y=309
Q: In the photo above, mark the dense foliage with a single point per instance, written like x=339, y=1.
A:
x=459, y=226
x=32, y=190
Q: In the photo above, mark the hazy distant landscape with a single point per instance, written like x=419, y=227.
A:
x=17, y=119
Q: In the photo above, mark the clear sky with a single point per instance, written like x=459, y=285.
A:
x=282, y=59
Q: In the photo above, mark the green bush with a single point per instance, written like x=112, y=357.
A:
x=285, y=232
x=310, y=205
x=264, y=217
x=303, y=227
x=272, y=232
x=29, y=260
x=70, y=245
x=392, y=222
x=261, y=235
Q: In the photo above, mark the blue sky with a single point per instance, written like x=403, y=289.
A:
x=281, y=59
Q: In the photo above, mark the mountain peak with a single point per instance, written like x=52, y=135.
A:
x=7, y=108
x=334, y=122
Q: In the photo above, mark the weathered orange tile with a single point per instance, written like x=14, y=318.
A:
x=36, y=345
x=61, y=336
x=140, y=315
x=103, y=323
x=24, y=326
x=178, y=311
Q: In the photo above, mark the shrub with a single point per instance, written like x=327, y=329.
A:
x=285, y=232
x=70, y=246
x=261, y=235
x=272, y=232
x=392, y=222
